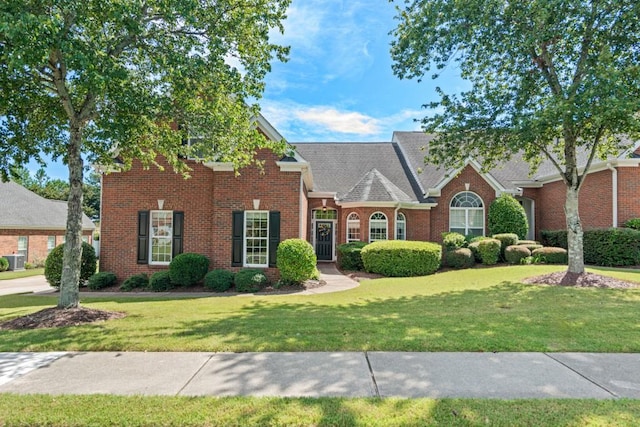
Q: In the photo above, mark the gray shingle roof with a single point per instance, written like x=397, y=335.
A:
x=375, y=187
x=21, y=208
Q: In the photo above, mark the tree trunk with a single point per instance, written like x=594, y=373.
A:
x=69, y=284
x=574, y=231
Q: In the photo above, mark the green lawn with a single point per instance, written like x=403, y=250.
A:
x=204, y=411
x=483, y=309
x=6, y=275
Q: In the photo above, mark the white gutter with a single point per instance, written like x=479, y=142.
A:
x=395, y=220
x=614, y=190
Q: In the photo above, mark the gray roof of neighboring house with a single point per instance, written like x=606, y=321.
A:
x=346, y=168
x=23, y=209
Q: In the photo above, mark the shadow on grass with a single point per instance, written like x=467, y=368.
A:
x=506, y=317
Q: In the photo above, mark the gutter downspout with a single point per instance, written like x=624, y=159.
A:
x=395, y=225
x=614, y=190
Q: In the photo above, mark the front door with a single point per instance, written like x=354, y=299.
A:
x=324, y=240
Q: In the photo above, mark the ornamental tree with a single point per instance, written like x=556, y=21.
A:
x=93, y=80
x=550, y=79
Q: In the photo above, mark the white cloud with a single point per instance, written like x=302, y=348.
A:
x=348, y=122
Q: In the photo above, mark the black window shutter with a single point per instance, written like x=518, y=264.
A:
x=237, y=230
x=274, y=236
x=178, y=233
x=143, y=237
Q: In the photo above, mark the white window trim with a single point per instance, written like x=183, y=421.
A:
x=49, y=249
x=350, y=221
x=466, y=213
x=151, y=236
x=386, y=225
x=403, y=222
x=244, y=240
x=26, y=248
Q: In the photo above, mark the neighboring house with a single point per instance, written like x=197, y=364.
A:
x=332, y=193
x=32, y=225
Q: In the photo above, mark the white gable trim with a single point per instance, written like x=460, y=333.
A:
x=452, y=174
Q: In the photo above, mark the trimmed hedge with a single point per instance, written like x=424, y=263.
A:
x=219, y=280
x=349, y=257
x=137, y=281
x=250, y=280
x=506, y=239
x=489, y=251
x=160, y=281
x=531, y=247
x=506, y=215
x=4, y=264
x=452, y=240
x=554, y=238
x=551, y=255
x=53, y=264
x=296, y=260
x=528, y=242
x=188, y=269
x=100, y=280
x=515, y=253
x=402, y=258
x=602, y=246
x=460, y=258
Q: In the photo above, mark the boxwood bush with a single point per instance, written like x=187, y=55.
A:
x=554, y=238
x=349, y=256
x=296, y=260
x=53, y=264
x=188, y=269
x=4, y=264
x=401, y=258
x=506, y=215
x=551, y=255
x=460, y=258
x=250, y=280
x=137, y=281
x=531, y=247
x=101, y=280
x=218, y=280
x=506, y=239
x=452, y=240
x=160, y=281
x=489, y=251
x=515, y=253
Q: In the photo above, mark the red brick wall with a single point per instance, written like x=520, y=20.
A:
x=628, y=194
x=477, y=184
x=207, y=199
x=36, y=245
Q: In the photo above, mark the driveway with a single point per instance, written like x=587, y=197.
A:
x=24, y=285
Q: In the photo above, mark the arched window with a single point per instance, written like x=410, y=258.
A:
x=401, y=227
x=377, y=227
x=466, y=214
x=353, y=227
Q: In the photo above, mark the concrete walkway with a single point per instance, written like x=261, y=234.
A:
x=25, y=285
x=347, y=374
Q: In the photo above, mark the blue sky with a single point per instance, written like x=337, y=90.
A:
x=338, y=85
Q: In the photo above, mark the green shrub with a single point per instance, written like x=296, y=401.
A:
x=250, y=280
x=4, y=264
x=515, y=253
x=528, y=242
x=452, y=240
x=296, y=260
x=137, y=281
x=460, y=258
x=53, y=264
x=551, y=255
x=188, y=269
x=612, y=247
x=506, y=239
x=100, y=280
x=554, y=238
x=473, y=247
x=474, y=239
x=489, y=251
x=218, y=280
x=531, y=247
x=633, y=223
x=506, y=215
x=160, y=281
x=349, y=257
x=401, y=258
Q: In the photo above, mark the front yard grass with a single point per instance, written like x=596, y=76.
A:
x=483, y=309
x=6, y=275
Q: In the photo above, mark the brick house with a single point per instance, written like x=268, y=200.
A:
x=32, y=225
x=332, y=193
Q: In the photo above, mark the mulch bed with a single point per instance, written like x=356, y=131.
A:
x=584, y=280
x=55, y=317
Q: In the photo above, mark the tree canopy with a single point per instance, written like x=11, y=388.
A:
x=96, y=79
x=551, y=79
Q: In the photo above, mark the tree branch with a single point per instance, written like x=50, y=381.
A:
x=59, y=72
x=555, y=163
x=596, y=142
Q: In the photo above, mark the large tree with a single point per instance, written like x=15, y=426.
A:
x=94, y=79
x=549, y=79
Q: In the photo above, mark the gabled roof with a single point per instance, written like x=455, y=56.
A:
x=375, y=187
x=23, y=209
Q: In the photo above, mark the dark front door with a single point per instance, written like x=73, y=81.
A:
x=324, y=241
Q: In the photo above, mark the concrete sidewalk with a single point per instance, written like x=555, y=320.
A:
x=348, y=374
x=25, y=285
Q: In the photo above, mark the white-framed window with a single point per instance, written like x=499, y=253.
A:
x=161, y=237
x=51, y=243
x=353, y=227
x=23, y=246
x=256, y=238
x=378, y=227
x=466, y=214
x=401, y=227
